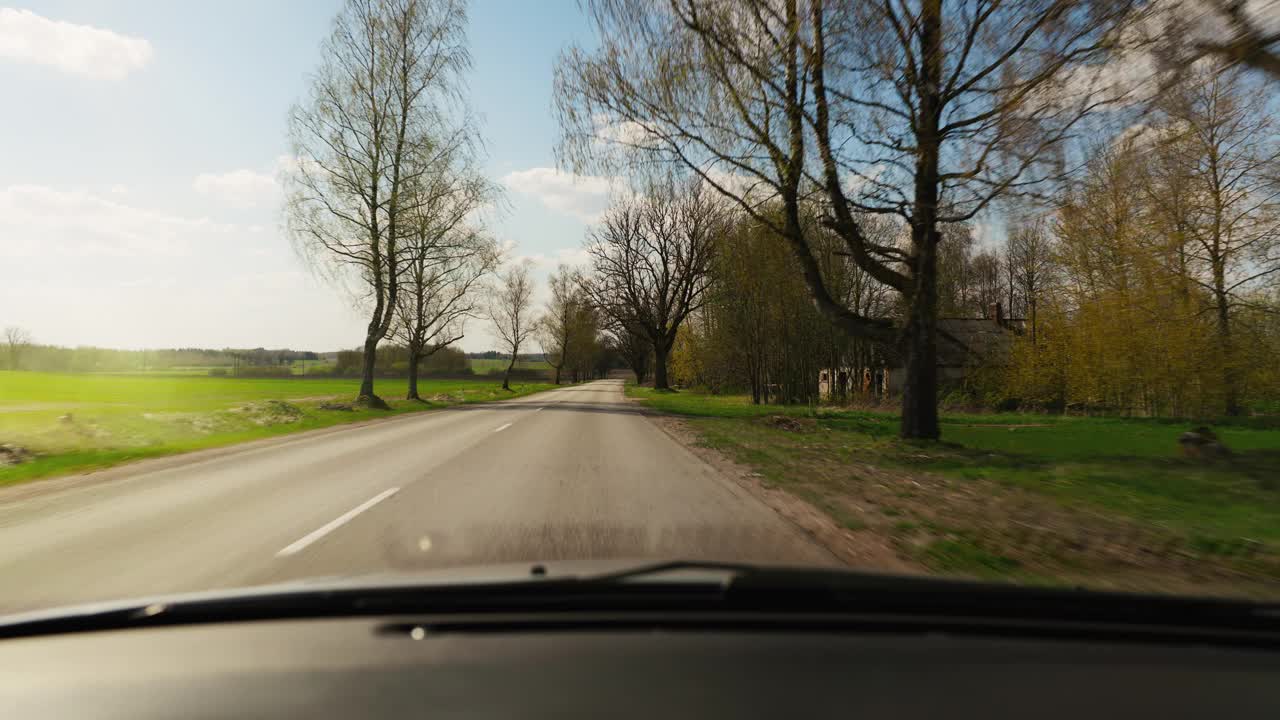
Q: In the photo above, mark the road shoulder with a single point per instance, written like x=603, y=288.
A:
x=860, y=550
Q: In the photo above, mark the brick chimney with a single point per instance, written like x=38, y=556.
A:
x=997, y=313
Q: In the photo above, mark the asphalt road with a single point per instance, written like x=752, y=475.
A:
x=572, y=474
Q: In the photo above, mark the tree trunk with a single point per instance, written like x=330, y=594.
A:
x=1230, y=379
x=366, y=395
x=920, y=383
x=640, y=366
x=660, y=351
x=506, y=377
x=557, y=368
x=920, y=386
x=414, y=358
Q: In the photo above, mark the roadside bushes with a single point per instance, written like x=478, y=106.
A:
x=253, y=371
x=263, y=371
x=759, y=331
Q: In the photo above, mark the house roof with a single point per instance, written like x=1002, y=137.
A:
x=963, y=342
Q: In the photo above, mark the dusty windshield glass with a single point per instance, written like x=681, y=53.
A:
x=392, y=287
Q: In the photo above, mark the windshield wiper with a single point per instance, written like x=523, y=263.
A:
x=641, y=572
x=539, y=593
x=693, y=589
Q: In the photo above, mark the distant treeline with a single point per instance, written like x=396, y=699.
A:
x=392, y=361
x=495, y=355
x=53, y=358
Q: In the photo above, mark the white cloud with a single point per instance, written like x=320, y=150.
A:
x=536, y=260
x=94, y=268
x=626, y=132
x=1129, y=78
x=1199, y=21
x=584, y=197
x=511, y=257
x=118, y=189
x=26, y=37
x=573, y=257
x=291, y=164
x=739, y=184
x=1133, y=75
x=985, y=234
x=44, y=220
x=856, y=183
x=242, y=188
x=509, y=253
x=1140, y=135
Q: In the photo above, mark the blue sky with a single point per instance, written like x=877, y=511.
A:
x=140, y=141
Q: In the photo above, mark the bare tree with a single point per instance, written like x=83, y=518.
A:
x=583, y=358
x=561, y=322
x=17, y=339
x=1226, y=138
x=511, y=311
x=439, y=294
x=446, y=259
x=651, y=260
x=370, y=127
x=632, y=346
x=1029, y=258
x=987, y=270
x=919, y=109
x=955, y=253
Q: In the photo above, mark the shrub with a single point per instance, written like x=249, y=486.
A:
x=348, y=362
x=264, y=371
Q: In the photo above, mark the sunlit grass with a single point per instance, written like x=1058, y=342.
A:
x=1128, y=469
x=76, y=422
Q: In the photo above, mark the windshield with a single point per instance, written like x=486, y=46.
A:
x=302, y=290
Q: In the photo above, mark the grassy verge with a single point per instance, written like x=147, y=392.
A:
x=78, y=422
x=1100, y=501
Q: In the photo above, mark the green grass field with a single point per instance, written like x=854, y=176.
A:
x=1017, y=495
x=75, y=422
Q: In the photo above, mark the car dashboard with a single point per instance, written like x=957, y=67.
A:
x=580, y=665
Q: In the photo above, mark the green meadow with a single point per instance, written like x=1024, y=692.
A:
x=1018, y=495
x=77, y=422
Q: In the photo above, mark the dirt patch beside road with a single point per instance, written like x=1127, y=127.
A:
x=856, y=549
